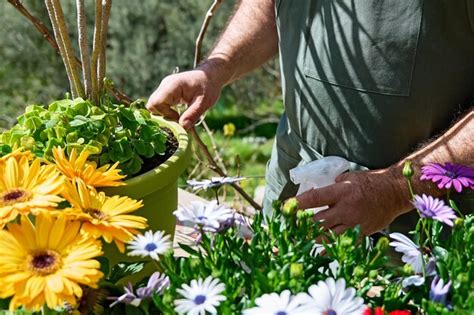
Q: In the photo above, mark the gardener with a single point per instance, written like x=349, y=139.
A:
x=376, y=82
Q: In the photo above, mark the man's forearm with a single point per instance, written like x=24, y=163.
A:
x=455, y=145
x=249, y=40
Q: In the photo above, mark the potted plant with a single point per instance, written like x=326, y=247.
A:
x=150, y=151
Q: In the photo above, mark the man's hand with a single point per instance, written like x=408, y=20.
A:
x=371, y=199
x=197, y=88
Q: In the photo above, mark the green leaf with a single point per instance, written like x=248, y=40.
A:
x=79, y=120
x=188, y=249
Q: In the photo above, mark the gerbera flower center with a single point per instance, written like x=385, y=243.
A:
x=281, y=313
x=150, y=247
x=330, y=312
x=199, y=299
x=44, y=262
x=96, y=213
x=201, y=217
x=14, y=196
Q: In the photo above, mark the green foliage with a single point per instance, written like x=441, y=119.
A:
x=111, y=133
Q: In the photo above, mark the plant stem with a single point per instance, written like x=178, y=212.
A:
x=83, y=47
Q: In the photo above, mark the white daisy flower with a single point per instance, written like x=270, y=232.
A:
x=213, y=182
x=415, y=280
x=411, y=252
x=331, y=297
x=207, y=216
x=200, y=296
x=150, y=245
x=278, y=304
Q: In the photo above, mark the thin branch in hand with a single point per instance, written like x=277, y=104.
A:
x=106, y=7
x=84, y=47
x=210, y=13
x=212, y=162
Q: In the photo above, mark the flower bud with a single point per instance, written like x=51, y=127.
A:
x=290, y=207
x=407, y=169
x=296, y=270
x=358, y=272
x=382, y=244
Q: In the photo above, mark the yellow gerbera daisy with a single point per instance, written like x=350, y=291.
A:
x=79, y=167
x=47, y=263
x=17, y=154
x=27, y=187
x=104, y=216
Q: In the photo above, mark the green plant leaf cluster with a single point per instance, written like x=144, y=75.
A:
x=110, y=132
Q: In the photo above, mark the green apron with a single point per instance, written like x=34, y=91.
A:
x=368, y=80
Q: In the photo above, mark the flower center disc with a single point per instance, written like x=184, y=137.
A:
x=44, y=262
x=96, y=214
x=199, y=299
x=14, y=196
x=330, y=312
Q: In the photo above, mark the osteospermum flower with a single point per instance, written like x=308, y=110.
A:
x=449, y=175
x=213, y=182
x=279, y=304
x=206, y=216
x=79, y=167
x=157, y=283
x=200, y=296
x=47, y=263
x=411, y=252
x=332, y=297
x=150, y=245
x=103, y=216
x=27, y=187
x=439, y=290
x=434, y=208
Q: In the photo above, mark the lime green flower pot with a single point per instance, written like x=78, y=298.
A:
x=157, y=188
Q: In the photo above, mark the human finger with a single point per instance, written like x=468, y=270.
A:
x=198, y=107
x=318, y=197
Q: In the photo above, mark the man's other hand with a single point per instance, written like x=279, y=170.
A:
x=371, y=199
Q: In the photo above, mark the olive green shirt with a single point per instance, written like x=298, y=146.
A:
x=368, y=80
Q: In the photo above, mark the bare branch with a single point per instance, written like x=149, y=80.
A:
x=96, y=50
x=48, y=36
x=213, y=166
x=210, y=13
x=212, y=162
x=84, y=47
x=60, y=45
x=61, y=22
x=106, y=7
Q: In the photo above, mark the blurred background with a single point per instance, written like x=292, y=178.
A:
x=147, y=40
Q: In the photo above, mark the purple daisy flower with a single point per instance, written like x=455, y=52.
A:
x=449, y=175
x=439, y=290
x=434, y=208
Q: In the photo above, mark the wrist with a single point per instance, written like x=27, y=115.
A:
x=218, y=69
x=400, y=189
